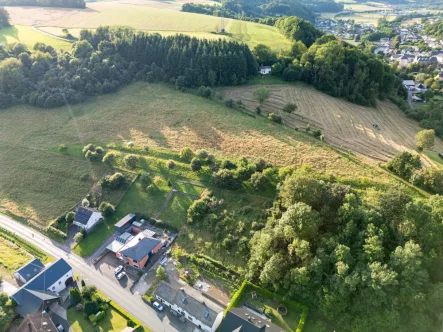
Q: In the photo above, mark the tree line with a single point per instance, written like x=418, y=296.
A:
x=45, y=3
x=104, y=60
x=331, y=65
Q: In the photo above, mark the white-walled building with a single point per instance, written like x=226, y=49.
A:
x=87, y=218
x=175, y=298
x=44, y=288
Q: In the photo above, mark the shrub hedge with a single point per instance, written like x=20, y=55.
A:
x=30, y=248
x=130, y=319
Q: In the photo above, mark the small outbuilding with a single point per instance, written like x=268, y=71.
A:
x=122, y=225
x=265, y=70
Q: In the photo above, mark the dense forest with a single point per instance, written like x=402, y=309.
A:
x=108, y=58
x=363, y=260
x=4, y=18
x=333, y=66
x=45, y=3
x=367, y=263
x=250, y=9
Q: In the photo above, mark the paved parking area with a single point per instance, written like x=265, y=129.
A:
x=106, y=267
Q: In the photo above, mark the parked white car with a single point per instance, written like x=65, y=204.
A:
x=157, y=306
x=121, y=276
x=118, y=269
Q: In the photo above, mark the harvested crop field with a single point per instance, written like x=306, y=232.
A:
x=344, y=124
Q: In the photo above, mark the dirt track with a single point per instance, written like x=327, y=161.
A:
x=344, y=124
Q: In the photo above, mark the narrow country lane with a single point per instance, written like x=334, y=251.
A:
x=133, y=304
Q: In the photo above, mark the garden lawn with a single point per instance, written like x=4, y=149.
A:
x=113, y=321
x=28, y=36
x=289, y=322
x=12, y=257
x=95, y=238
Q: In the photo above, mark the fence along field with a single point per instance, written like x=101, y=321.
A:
x=344, y=125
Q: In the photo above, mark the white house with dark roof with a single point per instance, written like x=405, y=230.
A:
x=87, y=218
x=29, y=270
x=199, y=313
x=44, y=288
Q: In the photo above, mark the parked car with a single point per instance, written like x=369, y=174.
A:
x=118, y=269
x=157, y=306
x=121, y=276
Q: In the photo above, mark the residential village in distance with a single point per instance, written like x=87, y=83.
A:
x=415, y=53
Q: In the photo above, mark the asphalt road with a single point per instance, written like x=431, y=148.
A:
x=133, y=304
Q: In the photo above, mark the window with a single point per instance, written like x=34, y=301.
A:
x=59, y=282
x=53, y=287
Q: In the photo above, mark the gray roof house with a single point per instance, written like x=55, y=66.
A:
x=244, y=320
x=44, y=288
x=39, y=322
x=138, y=249
x=86, y=217
x=29, y=270
x=173, y=296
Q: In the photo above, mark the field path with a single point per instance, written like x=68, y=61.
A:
x=345, y=125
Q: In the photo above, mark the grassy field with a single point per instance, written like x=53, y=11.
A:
x=433, y=155
x=149, y=17
x=29, y=37
x=12, y=256
x=37, y=182
x=113, y=322
x=176, y=211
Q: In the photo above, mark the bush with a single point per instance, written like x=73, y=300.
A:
x=91, y=307
x=101, y=315
x=62, y=148
x=229, y=103
x=161, y=273
x=92, y=318
x=404, y=164
x=75, y=296
x=226, y=179
x=109, y=158
x=170, y=164
x=258, y=110
x=196, y=164
x=227, y=164
x=186, y=154
x=289, y=108
x=202, y=154
x=83, y=283
x=316, y=133
x=258, y=181
x=131, y=161
x=89, y=147
x=115, y=181
x=78, y=237
x=274, y=118
x=308, y=127
x=88, y=291
x=70, y=217
x=107, y=209
x=204, y=91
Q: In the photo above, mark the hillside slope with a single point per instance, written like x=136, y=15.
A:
x=344, y=124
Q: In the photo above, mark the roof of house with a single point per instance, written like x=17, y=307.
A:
x=83, y=214
x=38, y=322
x=32, y=294
x=139, y=247
x=244, y=320
x=409, y=82
x=173, y=294
x=125, y=237
x=265, y=67
x=114, y=246
x=125, y=220
x=31, y=269
x=427, y=58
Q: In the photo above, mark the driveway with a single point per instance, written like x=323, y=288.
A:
x=107, y=265
x=131, y=303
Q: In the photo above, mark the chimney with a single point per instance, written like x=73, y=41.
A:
x=30, y=327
